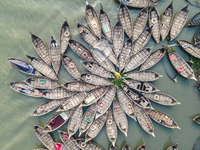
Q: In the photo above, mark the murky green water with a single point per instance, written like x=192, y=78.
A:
x=44, y=18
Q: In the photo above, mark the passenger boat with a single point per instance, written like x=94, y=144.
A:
x=179, y=22
x=173, y=147
x=41, y=48
x=64, y=36
x=166, y=21
x=113, y=147
x=142, y=147
x=195, y=20
x=191, y=48
x=23, y=66
x=197, y=119
x=197, y=144
x=135, y=3
x=87, y=146
x=181, y=66
x=197, y=36
x=60, y=146
x=126, y=147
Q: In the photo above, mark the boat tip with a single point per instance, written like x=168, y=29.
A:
x=86, y=2
x=125, y=133
x=153, y=135
x=178, y=127
x=79, y=134
x=97, y=116
x=113, y=144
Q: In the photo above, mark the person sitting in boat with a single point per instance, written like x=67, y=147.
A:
x=162, y=121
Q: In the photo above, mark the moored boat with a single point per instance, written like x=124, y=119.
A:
x=90, y=145
x=195, y=20
x=196, y=119
x=173, y=147
x=135, y=3
x=142, y=147
x=64, y=36
x=126, y=147
x=197, y=36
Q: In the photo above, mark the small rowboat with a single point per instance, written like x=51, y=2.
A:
x=60, y=146
x=197, y=36
x=173, y=147
x=64, y=36
x=41, y=48
x=135, y=3
x=126, y=147
x=142, y=147
x=166, y=21
x=179, y=22
x=196, y=119
x=181, y=66
x=197, y=144
x=23, y=66
x=191, y=48
x=195, y=20
x=90, y=145
x=92, y=20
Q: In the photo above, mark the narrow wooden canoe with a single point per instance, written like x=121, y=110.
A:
x=90, y=145
x=124, y=56
x=181, y=66
x=179, y=22
x=60, y=146
x=105, y=24
x=47, y=107
x=197, y=119
x=142, y=147
x=23, y=66
x=140, y=22
x=197, y=36
x=86, y=34
x=57, y=120
x=71, y=67
x=81, y=50
x=44, y=137
x=42, y=67
x=125, y=19
x=42, y=82
x=70, y=143
x=118, y=38
x=95, y=127
x=145, y=75
x=142, y=40
x=41, y=48
x=96, y=69
x=166, y=21
x=120, y=117
x=24, y=88
x=153, y=59
x=87, y=118
x=126, y=147
x=137, y=59
x=95, y=80
x=113, y=147
x=191, y=48
x=162, y=118
x=135, y=3
x=64, y=36
x=195, y=20
x=105, y=102
x=161, y=98
x=154, y=20
x=172, y=147
x=75, y=121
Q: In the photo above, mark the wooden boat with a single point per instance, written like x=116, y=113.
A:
x=145, y=75
x=79, y=86
x=75, y=121
x=120, y=117
x=135, y=3
x=24, y=88
x=197, y=144
x=96, y=69
x=154, y=20
x=95, y=80
x=41, y=48
x=197, y=119
x=166, y=21
x=95, y=127
x=81, y=50
x=118, y=38
x=144, y=120
x=111, y=127
x=44, y=137
x=197, y=36
x=142, y=147
x=92, y=20
x=86, y=34
x=71, y=67
x=173, y=147
x=47, y=107
x=57, y=120
x=162, y=118
x=142, y=40
x=42, y=82
x=153, y=59
x=195, y=20
x=126, y=147
x=87, y=118
x=179, y=22
x=161, y=98
x=105, y=102
x=23, y=66
x=42, y=67
x=125, y=19
x=57, y=93
x=124, y=56
x=69, y=142
x=181, y=66
x=113, y=147
x=105, y=24
x=90, y=145
x=64, y=36
x=94, y=95
x=140, y=22
x=126, y=104
x=60, y=146
x=191, y=48
x=137, y=59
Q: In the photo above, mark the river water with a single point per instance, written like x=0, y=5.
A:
x=44, y=18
